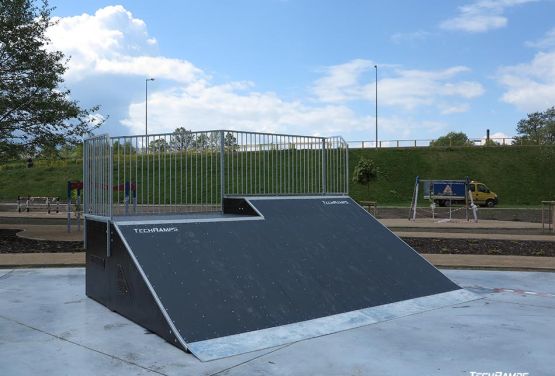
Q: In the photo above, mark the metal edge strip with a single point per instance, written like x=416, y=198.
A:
x=97, y=218
x=189, y=220
x=312, y=197
x=254, y=207
x=236, y=344
x=151, y=289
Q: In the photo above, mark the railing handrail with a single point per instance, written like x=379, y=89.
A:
x=412, y=143
x=215, y=131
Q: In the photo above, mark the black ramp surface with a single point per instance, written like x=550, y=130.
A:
x=308, y=258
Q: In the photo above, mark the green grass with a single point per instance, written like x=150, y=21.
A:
x=44, y=179
x=521, y=176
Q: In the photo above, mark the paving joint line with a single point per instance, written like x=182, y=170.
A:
x=250, y=360
x=83, y=346
x=7, y=275
x=518, y=303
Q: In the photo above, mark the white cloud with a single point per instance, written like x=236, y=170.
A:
x=203, y=106
x=113, y=41
x=404, y=88
x=530, y=86
x=341, y=82
x=547, y=41
x=481, y=16
x=456, y=108
x=410, y=37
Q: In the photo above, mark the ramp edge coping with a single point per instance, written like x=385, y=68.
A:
x=271, y=337
x=187, y=220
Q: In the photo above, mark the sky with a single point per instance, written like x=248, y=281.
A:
x=308, y=66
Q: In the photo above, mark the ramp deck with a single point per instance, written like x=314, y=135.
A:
x=285, y=270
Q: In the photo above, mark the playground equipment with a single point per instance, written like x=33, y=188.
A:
x=72, y=186
x=548, y=216
x=445, y=193
x=240, y=241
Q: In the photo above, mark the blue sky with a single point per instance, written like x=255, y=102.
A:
x=302, y=66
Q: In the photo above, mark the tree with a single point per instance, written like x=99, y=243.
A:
x=490, y=142
x=230, y=141
x=158, y=145
x=123, y=148
x=201, y=141
x=537, y=129
x=365, y=172
x=36, y=111
x=452, y=139
x=182, y=139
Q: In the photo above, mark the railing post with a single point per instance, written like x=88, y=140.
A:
x=110, y=176
x=222, y=172
x=324, y=166
x=346, y=168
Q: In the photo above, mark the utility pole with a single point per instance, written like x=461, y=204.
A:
x=376, y=67
x=146, y=104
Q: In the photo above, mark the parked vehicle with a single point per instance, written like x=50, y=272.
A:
x=452, y=192
x=482, y=195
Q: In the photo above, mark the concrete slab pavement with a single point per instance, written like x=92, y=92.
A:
x=56, y=329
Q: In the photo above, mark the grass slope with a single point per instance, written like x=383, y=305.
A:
x=519, y=175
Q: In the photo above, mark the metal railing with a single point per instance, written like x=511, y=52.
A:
x=506, y=141
x=548, y=216
x=192, y=171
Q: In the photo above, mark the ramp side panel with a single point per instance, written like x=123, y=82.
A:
x=116, y=282
x=305, y=260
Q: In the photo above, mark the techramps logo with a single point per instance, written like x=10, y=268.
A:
x=155, y=230
x=499, y=373
x=335, y=202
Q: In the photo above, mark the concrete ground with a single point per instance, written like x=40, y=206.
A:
x=49, y=326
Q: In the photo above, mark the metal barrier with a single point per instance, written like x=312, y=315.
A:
x=548, y=216
x=363, y=144
x=192, y=171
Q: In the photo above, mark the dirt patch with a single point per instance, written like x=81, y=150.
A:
x=11, y=243
x=482, y=247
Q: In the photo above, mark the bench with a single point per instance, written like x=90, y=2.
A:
x=370, y=206
x=26, y=203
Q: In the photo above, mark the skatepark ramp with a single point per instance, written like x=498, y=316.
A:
x=263, y=270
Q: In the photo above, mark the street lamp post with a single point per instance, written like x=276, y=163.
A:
x=376, y=67
x=146, y=104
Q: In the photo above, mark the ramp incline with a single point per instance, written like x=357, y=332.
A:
x=269, y=271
